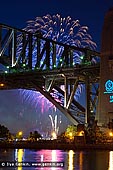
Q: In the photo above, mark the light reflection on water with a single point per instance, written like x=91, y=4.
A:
x=70, y=160
x=110, y=160
x=79, y=160
x=19, y=154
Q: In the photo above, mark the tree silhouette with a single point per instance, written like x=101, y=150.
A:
x=4, y=131
x=35, y=135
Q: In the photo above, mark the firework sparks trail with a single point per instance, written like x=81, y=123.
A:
x=55, y=124
x=51, y=122
x=63, y=30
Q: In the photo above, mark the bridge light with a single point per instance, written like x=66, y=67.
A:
x=54, y=65
x=6, y=71
x=82, y=57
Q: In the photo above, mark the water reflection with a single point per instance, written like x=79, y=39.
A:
x=70, y=160
x=19, y=157
x=49, y=156
x=81, y=160
x=78, y=160
x=110, y=160
x=54, y=156
x=75, y=160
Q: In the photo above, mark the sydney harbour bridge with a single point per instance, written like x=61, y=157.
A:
x=48, y=70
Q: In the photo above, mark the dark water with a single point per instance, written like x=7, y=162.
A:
x=79, y=160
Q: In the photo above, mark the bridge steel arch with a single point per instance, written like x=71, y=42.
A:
x=48, y=71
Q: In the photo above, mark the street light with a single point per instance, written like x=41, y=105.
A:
x=20, y=133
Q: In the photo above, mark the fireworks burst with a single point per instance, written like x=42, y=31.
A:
x=63, y=30
x=37, y=99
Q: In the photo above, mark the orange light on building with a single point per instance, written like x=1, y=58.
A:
x=111, y=134
x=54, y=135
x=81, y=133
x=70, y=135
x=2, y=84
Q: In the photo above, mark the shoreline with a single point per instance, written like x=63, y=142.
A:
x=56, y=146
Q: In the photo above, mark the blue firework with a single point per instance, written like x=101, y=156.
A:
x=65, y=30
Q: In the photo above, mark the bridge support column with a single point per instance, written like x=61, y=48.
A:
x=72, y=93
x=49, y=84
x=87, y=118
x=66, y=91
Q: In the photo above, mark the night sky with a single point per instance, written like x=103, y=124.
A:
x=15, y=112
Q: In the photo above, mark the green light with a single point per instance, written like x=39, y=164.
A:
x=36, y=68
x=61, y=59
x=7, y=67
x=6, y=71
x=24, y=65
x=54, y=66
x=82, y=57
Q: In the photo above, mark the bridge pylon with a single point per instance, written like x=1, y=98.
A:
x=105, y=106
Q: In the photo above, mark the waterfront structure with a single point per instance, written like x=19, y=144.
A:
x=105, y=105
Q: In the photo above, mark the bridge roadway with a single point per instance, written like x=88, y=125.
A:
x=25, y=79
x=35, y=80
